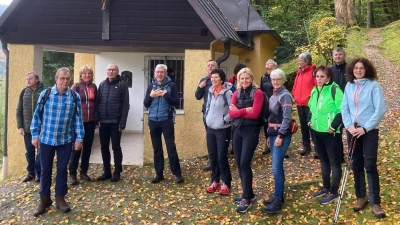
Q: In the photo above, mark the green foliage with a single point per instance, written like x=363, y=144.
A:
x=52, y=61
x=325, y=35
x=391, y=42
x=289, y=19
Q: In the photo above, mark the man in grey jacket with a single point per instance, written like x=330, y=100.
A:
x=26, y=106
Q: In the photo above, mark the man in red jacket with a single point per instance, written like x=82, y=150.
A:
x=303, y=84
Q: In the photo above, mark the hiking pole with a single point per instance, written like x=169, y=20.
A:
x=351, y=148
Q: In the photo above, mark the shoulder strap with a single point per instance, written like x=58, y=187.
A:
x=77, y=87
x=43, y=101
x=333, y=91
x=75, y=101
x=225, y=99
x=22, y=94
x=252, y=92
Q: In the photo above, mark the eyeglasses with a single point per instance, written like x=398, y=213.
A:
x=65, y=78
x=276, y=80
x=159, y=72
x=111, y=70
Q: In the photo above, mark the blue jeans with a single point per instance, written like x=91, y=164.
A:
x=33, y=164
x=47, y=153
x=278, y=155
x=245, y=141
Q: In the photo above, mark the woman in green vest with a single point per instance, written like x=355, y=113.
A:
x=325, y=121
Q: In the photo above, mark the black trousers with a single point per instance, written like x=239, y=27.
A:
x=217, y=145
x=303, y=112
x=245, y=140
x=111, y=131
x=157, y=128
x=365, y=156
x=329, y=151
x=86, y=150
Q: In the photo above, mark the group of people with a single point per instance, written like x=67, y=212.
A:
x=62, y=120
x=328, y=100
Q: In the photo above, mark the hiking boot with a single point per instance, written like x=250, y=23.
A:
x=266, y=151
x=328, y=199
x=104, y=176
x=179, y=179
x=225, y=190
x=84, y=176
x=274, y=207
x=321, y=192
x=37, y=177
x=306, y=150
x=237, y=199
x=361, y=203
x=213, y=187
x=29, y=177
x=62, y=205
x=116, y=177
x=207, y=167
x=286, y=156
x=45, y=202
x=243, y=206
x=157, y=179
x=232, y=152
x=72, y=179
x=271, y=199
x=378, y=211
x=316, y=155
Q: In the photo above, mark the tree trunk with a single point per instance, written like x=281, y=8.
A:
x=351, y=13
x=369, y=13
x=341, y=12
x=385, y=8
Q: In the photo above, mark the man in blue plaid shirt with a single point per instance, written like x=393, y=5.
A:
x=57, y=121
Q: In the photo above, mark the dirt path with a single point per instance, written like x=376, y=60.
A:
x=388, y=74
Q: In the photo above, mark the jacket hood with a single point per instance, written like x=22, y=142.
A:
x=165, y=82
x=310, y=68
x=39, y=85
x=226, y=87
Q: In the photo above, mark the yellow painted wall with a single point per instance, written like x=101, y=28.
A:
x=83, y=59
x=189, y=128
x=264, y=47
x=21, y=62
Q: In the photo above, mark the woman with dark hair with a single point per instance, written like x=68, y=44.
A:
x=325, y=121
x=87, y=91
x=246, y=106
x=218, y=132
x=238, y=67
x=362, y=109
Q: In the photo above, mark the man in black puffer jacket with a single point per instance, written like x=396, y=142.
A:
x=112, y=107
x=25, y=109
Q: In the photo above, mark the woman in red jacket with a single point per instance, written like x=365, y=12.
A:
x=303, y=84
